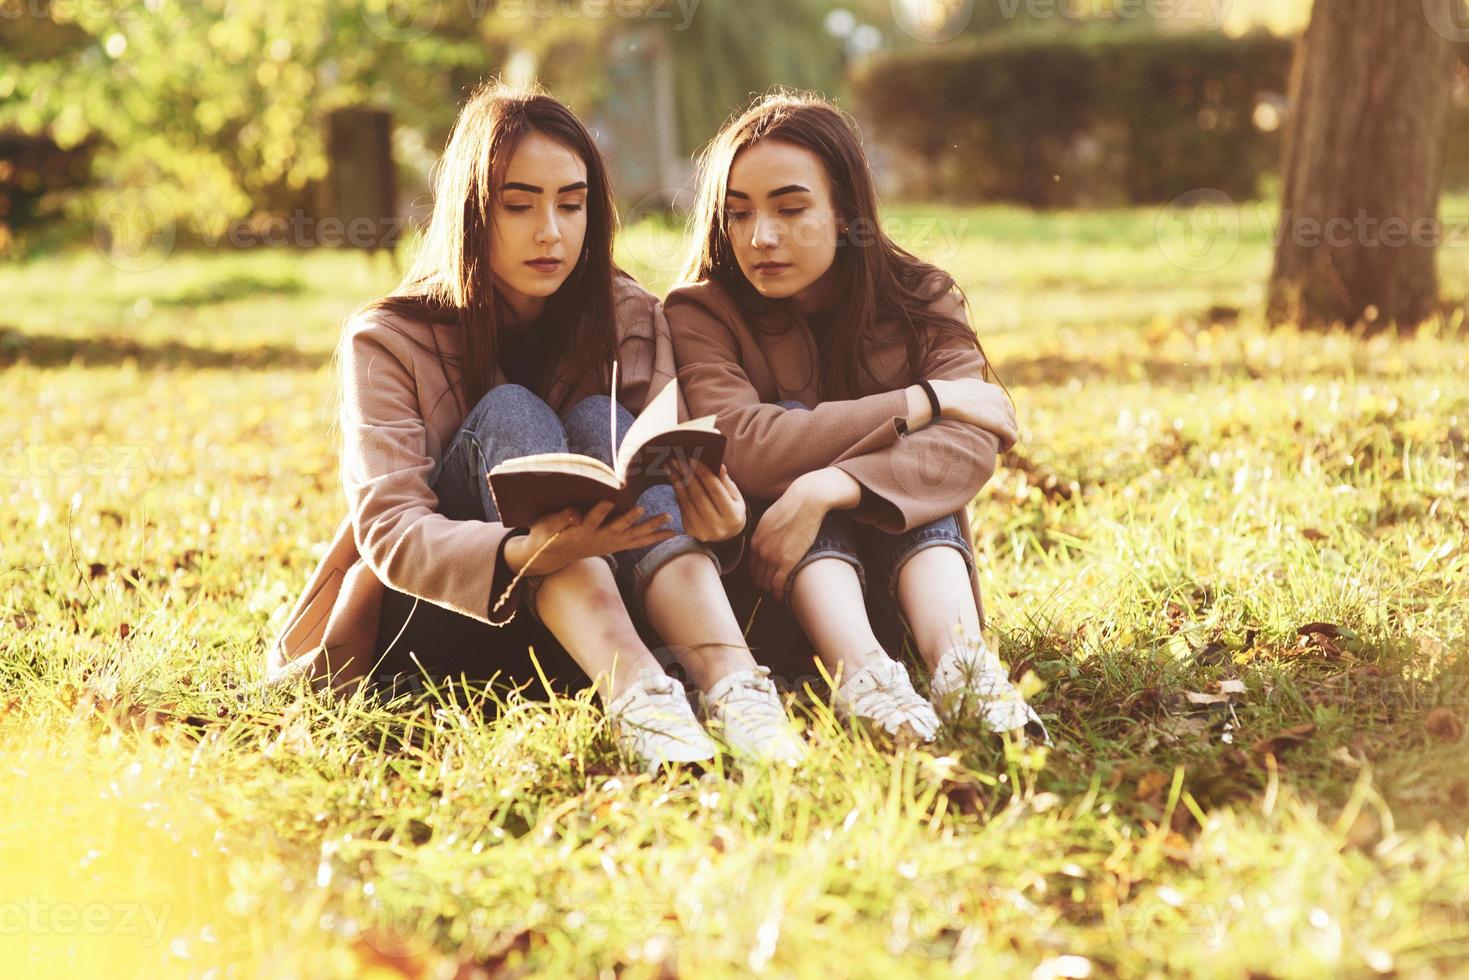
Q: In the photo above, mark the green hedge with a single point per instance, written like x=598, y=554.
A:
x=1055, y=122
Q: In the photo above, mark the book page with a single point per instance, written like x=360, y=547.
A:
x=659, y=415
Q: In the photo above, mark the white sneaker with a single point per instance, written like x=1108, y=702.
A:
x=972, y=678
x=883, y=694
x=655, y=724
x=747, y=709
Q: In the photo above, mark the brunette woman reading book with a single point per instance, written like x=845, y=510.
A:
x=499, y=343
x=859, y=416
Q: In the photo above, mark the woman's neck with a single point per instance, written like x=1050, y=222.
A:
x=820, y=295
x=524, y=308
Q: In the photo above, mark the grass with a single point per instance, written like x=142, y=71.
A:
x=1190, y=490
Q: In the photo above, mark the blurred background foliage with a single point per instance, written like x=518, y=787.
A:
x=221, y=104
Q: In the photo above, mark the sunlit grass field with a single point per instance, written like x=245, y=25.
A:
x=1229, y=563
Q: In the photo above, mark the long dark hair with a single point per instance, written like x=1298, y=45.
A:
x=877, y=279
x=449, y=281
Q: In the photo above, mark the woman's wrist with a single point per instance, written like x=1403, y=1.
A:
x=831, y=488
x=920, y=412
x=517, y=551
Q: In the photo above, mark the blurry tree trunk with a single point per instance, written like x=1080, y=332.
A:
x=361, y=187
x=1364, y=156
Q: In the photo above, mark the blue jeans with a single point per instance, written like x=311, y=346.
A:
x=510, y=421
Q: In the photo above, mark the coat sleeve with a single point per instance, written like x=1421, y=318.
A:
x=938, y=469
x=770, y=446
x=456, y=564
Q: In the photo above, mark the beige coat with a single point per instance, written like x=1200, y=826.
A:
x=398, y=416
x=736, y=373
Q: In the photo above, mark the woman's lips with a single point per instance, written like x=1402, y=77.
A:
x=544, y=265
x=771, y=268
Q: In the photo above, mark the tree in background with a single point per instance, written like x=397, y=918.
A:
x=1363, y=164
x=219, y=104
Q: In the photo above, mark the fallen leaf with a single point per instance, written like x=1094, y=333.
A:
x=1444, y=724
x=1150, y=785
x=1199, y=697
x=1278, y=743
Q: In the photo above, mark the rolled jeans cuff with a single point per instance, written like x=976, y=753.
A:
x=819, y=551
x=641, y=570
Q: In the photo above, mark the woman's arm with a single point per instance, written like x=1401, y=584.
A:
x=939, y=469
x=770, y=446
x=385, y=473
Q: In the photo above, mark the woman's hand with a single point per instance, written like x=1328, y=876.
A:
x=979, y=403
x=786, y=531
x=712, y=506
x=583, y=536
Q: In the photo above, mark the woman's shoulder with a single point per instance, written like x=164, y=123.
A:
x=397, y=325
x=705, y=299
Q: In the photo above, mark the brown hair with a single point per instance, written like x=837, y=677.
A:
x=449, y=281
x=877, y=279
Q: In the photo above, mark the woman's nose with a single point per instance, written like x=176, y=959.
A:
x=549, y=233
x=765, y=234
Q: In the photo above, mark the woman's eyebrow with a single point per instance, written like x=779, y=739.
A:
x=515, y=185
x=787, y=189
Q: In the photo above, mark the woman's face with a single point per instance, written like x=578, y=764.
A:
x=780, y=218
x=538, y=222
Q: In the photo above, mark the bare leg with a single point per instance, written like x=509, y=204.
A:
x=687, y=605
x=582, y=608
x=938, y=602
x=826, y=600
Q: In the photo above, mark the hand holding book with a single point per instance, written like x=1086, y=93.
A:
x=528, y=488
x=712, y=507
x=566, y=536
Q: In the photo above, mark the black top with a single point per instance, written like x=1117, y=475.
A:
x=521, y=353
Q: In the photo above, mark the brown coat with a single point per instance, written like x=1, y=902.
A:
x=397, y=418
x=736, y=373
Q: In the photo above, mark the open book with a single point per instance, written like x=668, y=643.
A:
x=530, y=487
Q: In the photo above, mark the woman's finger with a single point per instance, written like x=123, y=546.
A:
x=713, y=489
x=698, y=495
x=729, y=484
x=625, y=520
x=597, y=515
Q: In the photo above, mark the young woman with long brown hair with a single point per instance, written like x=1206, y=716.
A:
x=497, y=344
x=860, y=417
